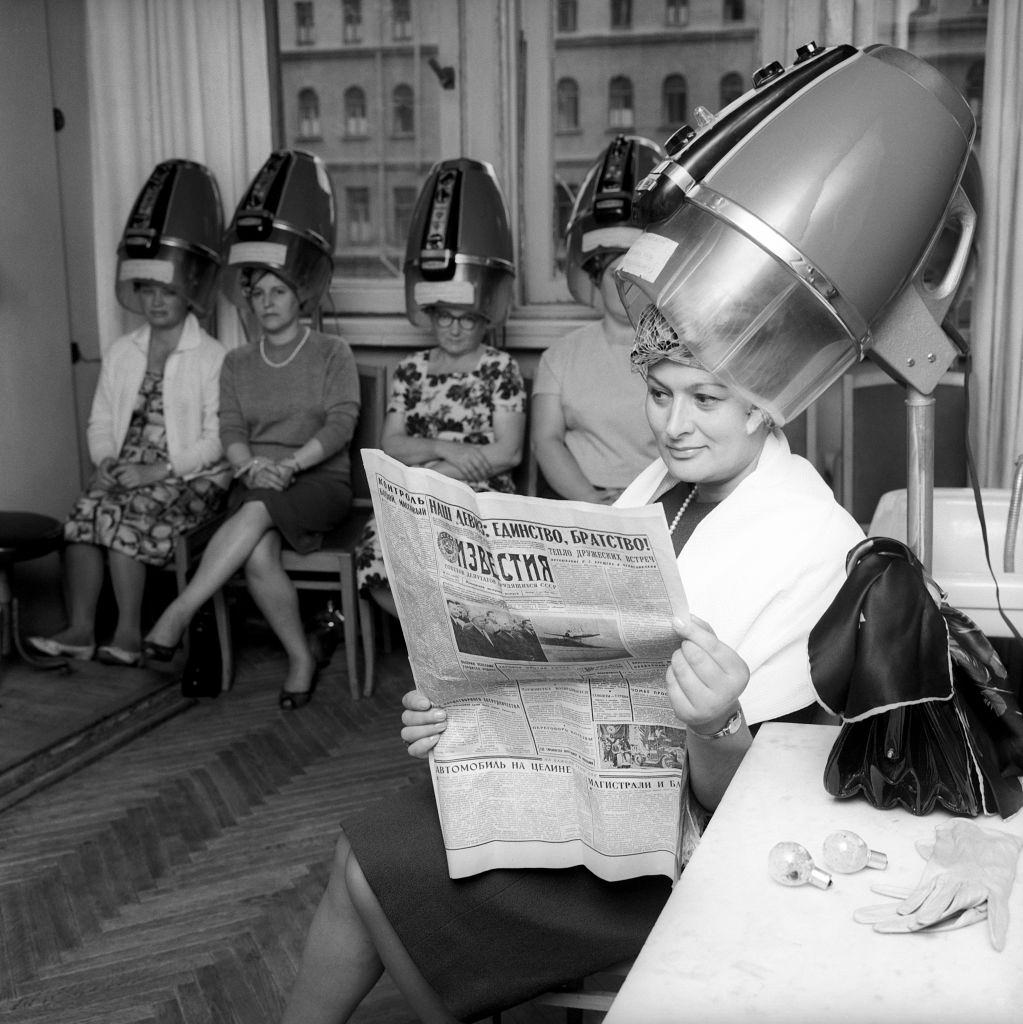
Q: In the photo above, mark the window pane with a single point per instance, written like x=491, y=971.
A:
x=362, y=97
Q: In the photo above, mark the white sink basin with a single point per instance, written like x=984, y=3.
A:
x=957, y=562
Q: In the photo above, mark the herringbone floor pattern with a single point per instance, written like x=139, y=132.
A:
x=173, y=881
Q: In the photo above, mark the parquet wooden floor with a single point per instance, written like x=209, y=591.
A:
x=173, y=881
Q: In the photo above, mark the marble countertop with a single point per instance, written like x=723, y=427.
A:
x=734, y=945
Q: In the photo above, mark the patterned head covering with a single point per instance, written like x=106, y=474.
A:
x=655, y=340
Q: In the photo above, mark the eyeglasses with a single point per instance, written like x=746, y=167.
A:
x=467, y=321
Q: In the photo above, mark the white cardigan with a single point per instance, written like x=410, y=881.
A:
x=762, y=568
x=191, y=398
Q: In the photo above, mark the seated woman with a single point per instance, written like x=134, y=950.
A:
x=154, y=443
x=588, y=431
x=288, y=409
x=458, y=409
x=761, y=545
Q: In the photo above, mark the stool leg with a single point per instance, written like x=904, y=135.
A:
x=350, y=611
x=367, y=620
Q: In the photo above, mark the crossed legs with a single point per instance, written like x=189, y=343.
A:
x=247, y=539
x=349, y=943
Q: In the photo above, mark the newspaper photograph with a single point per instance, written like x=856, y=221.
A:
x=544, y=628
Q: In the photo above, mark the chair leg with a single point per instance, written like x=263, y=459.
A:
x=350, y=611
x=367, y=625
x=223, y=620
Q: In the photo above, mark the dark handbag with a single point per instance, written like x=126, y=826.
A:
x=928, y=720
x=201, y=676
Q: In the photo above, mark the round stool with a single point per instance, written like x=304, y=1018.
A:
x=23, y=536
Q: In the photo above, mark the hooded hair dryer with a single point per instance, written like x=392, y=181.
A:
x=787, y=238
x=459, y=250
x=604, y=222
x=173, y=236
x=283, y=224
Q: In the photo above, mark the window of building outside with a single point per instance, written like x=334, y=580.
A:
x=732, y=87
x=568, y=15
x=676, y=13
x=404, y=202
x=356, y=122
x=621, y=13
x=358, y=216
x=403, y=110
x=590, y=78
x=401, y=20
x=352, y=32
x=619, y=104
x=308, y=114
x=568, y=105
x=676, y=111
x=305, y=30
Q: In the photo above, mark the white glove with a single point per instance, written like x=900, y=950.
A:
x=969, y=874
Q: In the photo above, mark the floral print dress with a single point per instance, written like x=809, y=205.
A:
x=456, y=406
x=144, y=522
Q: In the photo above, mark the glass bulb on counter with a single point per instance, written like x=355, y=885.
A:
x=846, y=852
x=791, y=864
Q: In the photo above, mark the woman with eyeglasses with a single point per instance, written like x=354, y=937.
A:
x=457, y=408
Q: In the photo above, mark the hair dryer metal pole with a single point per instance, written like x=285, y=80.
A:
x=920, y=474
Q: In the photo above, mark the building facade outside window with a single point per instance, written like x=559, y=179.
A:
x=674, y=98
x=568, y=105
x=352, y=21
x=676, y=13
x=732, y=87
x=620, y=110
x=403, y=203
x=401, y=20
x=357, y=213
x=621, y=13
x=308, y=114
x=568, y=15
x=403, y=110
x=305, y=28
x=356, y=122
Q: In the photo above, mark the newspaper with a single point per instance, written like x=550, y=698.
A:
x=544, y=628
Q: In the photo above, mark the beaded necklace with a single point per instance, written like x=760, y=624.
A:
x=277, y=366
x=681, y=510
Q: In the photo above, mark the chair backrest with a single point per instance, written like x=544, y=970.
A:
x=373, y=396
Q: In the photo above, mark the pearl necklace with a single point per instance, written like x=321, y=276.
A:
x=681, y=510
x=277, y=366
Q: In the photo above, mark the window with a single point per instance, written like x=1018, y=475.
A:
x=734, y=10
x=674, y=101
x=305, y=29
x=620, y=112
x=731, y=88
x=621, y=13
x=676, y=13
x=403, y=111
x=356, y=123
x=568, y=15
x=401, y=215
x=568, y=105
x=308, y=114
x=352, y=32
x=401, y=20
x=357, y=209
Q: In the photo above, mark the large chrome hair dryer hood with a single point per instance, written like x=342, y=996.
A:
x=787, y=237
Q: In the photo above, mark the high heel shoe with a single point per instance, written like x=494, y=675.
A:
x=159, y=652
x=292, y=700
x=55, y=649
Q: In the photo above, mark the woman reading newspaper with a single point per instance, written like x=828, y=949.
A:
x=761, y=546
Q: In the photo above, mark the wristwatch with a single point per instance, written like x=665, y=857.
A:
x=730, y=728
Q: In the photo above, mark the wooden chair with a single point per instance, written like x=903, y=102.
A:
x=332, y=567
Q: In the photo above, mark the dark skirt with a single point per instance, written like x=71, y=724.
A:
x=316, y=503
x=497, y=939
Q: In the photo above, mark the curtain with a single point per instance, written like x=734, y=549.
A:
x=168, y=79
x=996, y=414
